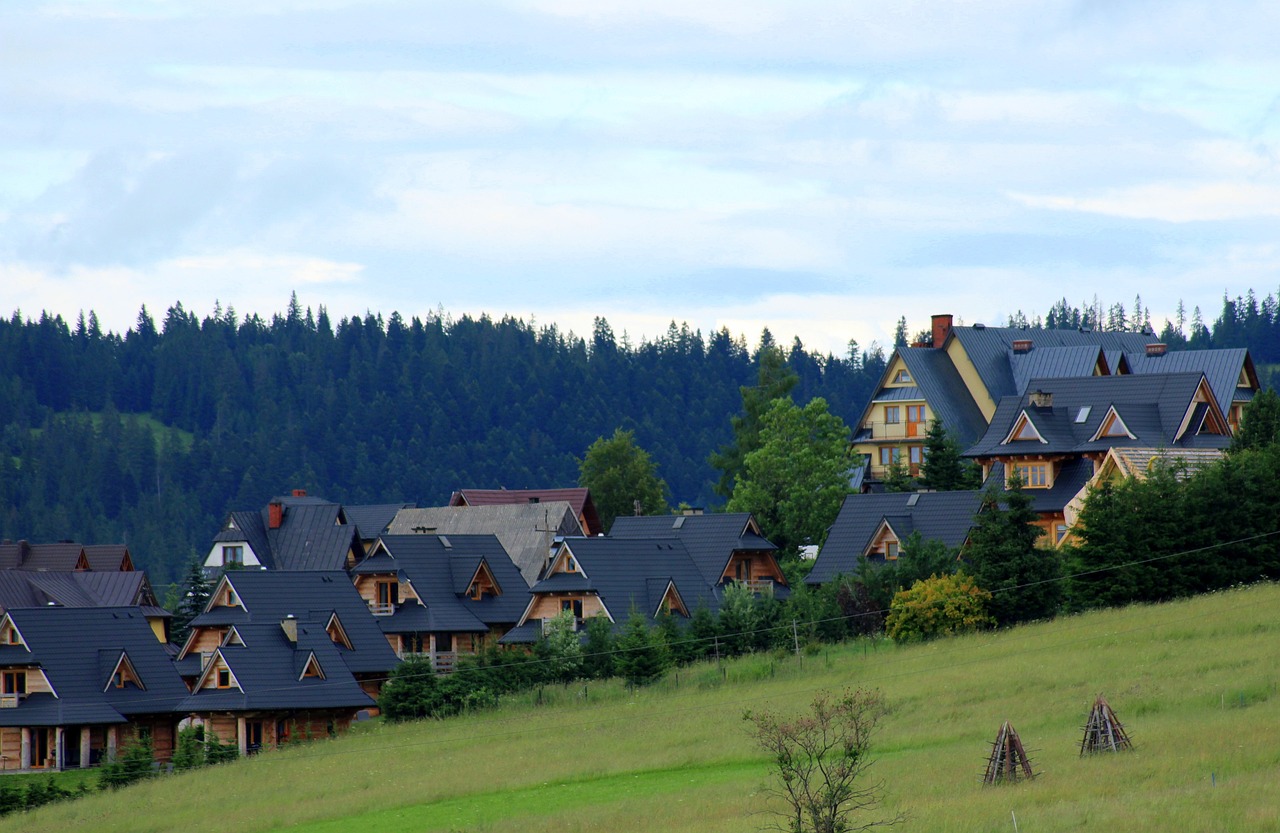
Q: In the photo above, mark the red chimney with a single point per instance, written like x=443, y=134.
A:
x=275, y=514
x=299, y=492
x=1156, y=349
x=941, y=329
x=1022, y=345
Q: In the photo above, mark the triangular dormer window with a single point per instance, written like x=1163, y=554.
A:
x=225, y=596
x=337, y=633
x=125, y=675
x=1023, y=430
x=312, y=669
x=218, y=675
x=233, y=637
x=82, y=563
x=9, y=634
x=884, y=542
x=566, y=563
x=672, y=603
x=483, y=583
x=1112, y=427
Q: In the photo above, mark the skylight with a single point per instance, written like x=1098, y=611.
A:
x=1083, y=414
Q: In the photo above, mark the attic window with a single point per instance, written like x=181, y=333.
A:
x=1113, y=426
x=911, y=501
x=10, y=635
x=312, y=669
x=1083, y=414
x=679, y=522
x=902, y=377
x=223, y=678
x=125, y=675
x=232, y=556
x=570, y=564
x=337, y=633
x=15, y=682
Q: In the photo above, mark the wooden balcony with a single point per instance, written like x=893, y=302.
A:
x=759, y=586
x=442, y=662
x=382, y=608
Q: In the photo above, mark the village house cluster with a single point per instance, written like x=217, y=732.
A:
x=316, y=602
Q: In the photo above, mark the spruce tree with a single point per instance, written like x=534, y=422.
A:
x=1004, y=559
x=194, y=596
x=943, y=469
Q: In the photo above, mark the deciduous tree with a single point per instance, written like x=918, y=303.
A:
x=621, y=476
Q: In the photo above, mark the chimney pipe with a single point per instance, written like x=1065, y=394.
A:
x=290, y=626
x=1156, y=349
x=299, y=492
x=1022, y=345
x=275, y=514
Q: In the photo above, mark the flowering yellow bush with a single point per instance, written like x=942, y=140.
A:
x=938, y=606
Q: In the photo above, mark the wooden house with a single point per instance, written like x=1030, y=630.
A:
x=277, y=656
x=441, y=595
x=29, y=588
x=77, y=683
x=727, y=547
x=610, y=577
x=873, y=527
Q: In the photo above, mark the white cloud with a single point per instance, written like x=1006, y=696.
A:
x=1173, y=202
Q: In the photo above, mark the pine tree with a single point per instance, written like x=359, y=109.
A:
x=642, y=654
x=195, y=595
x=1004, y=559
x=943, y=469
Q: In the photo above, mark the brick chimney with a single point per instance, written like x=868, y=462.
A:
x=1156, y=349
x=941, y=329
x=1022, y=345
x=1041, y=399
x=299, y=492
x=275, y=514
x=290, y=626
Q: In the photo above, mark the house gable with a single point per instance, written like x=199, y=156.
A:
x=483, y=583
x=217, y=674
x=311, y=668
x=10, y=635
x=337, y=633
x=233, y=637
x=1023, y=430
x=124, y=675
x=1112, y=426
x=671, y=602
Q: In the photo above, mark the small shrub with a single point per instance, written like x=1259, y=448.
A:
x=134, y=763
x=939, y=606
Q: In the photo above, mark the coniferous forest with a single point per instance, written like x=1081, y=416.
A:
x=151, y=436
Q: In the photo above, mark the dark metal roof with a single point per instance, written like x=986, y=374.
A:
x=1052, y=363
x=948, y=397
x=710, y=539
x=1151, y=406
x=78, y=648
x=373, y=520
x=1070, y=478
x=940, y=516
x=1221, y=367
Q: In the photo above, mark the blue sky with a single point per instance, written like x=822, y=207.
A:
x=817, y=167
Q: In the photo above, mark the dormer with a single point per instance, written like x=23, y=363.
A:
x=124, y=675
x=218, y=675
x=671, y=602
x=1023, y=430
x=1112, y=427
x=884, y=542
x=565, y=562
x=233, y=638
x=311, y=668
x=224, y=595
x=483, y=583
x=337, y=633
x=10, y=635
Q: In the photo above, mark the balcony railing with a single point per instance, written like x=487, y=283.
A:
x=9, y=701
x=442, y=662
x=382, y=608
x=896, y=430
x=757, y=585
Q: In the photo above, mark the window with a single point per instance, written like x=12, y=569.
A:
x=1033, y=475
x=902, y=377
x=891, y=550
x=15, y=682
x=233, y=556
x=388, y=594
x=1060, y=532
x=915, y=454
x=572, y=604
x=892, y=414
x=570, y=566
x=11, y=636
x=915, y=413
x=890, y=455
x=224, y=678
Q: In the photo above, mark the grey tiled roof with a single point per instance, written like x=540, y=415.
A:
x=78, y=648
x=620, y=571
x=373, y=520
x=1221, y=367
x=526, y=530
x=945, y=391
x=439, y=569
x=37, y=588
x=941, y=516
x=1067, y=483
x=1053, y=362
x=711, y=539
x=1151, y=406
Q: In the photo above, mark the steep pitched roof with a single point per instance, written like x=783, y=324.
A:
x=1152, y=407
x=1223, y=369
x=78, y=649
x=710, y=539
x=104, y=557
x=63, y=556
x=578, y=497
x=989, y=349
x=311, y=597
x=23, y=588
x=621, y=571
x=440, y=568
x=312, y=535
x=1054, y=363
x=941, y=516
x=373, y=520
x=526, y=530
x=945, y=392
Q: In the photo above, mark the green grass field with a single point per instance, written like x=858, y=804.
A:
x=1195, y=683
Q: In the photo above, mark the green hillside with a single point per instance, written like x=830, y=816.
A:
x=1195, y=683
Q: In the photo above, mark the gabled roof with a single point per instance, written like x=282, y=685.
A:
x=440, y=569
x=268, y=672
x=578, y=497
x=944, y=390
x=624, y=571
x=940, y=516
x=1153, y=408
x=22, y=588
x=77, y=649
x=1054, y=363
x=1223, y=369
x=526, y=530
x=63, y=556
x=312, y=535
x=710, y=539
x=989, y=349
x=312, y=597
x=112, y=557
x=374, y=519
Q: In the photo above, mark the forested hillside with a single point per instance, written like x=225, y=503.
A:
x=151, y=436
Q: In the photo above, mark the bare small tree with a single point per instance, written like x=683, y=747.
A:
x=820, y=759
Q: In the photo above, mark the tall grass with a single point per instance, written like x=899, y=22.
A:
x=1194, y=681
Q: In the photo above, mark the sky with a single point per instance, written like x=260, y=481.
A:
x=819, y=168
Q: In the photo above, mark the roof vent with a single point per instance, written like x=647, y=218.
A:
x=979, y=326
x=1022, y=345
x=1040, y=399
x=1157, y=349
x=444, y=541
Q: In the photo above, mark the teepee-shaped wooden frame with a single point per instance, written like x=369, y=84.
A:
x=1008, y=763
x=1103, y=732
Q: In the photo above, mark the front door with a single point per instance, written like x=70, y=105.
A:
x=253, y=736
x=43, y=742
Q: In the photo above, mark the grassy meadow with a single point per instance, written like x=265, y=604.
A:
x=1195, y=683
